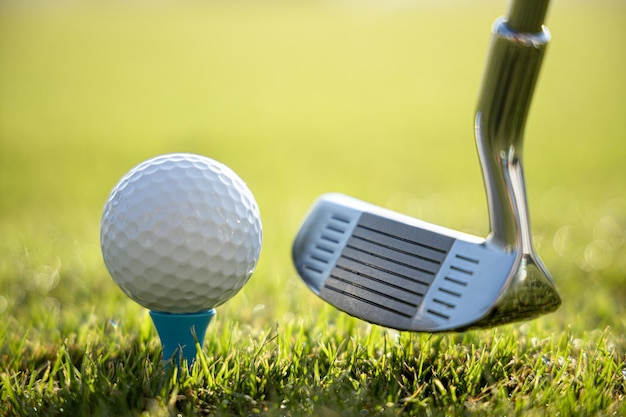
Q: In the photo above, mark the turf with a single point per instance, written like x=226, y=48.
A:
x=300, y=99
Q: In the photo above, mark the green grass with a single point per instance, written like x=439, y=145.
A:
x=302, y=99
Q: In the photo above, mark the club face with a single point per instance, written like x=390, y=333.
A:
x=396, y=271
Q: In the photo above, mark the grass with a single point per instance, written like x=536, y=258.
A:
x=373, y=101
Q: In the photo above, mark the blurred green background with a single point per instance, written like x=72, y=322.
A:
x=374, y=99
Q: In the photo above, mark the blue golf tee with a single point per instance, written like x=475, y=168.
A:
x=179, y=332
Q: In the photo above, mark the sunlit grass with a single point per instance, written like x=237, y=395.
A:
x=376, y=102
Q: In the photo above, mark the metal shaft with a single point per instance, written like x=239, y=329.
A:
x=509, y=80
x=527, y=15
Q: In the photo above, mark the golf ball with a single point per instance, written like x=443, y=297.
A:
x=180, y=233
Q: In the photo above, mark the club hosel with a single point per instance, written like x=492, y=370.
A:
x=507, y=87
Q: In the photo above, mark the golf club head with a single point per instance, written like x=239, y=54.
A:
x=407, y=274
x=399, y=272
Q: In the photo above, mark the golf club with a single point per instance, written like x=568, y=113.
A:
x=400, y=272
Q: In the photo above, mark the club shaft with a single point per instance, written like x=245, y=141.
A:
x=507, y=88
x=527, y=15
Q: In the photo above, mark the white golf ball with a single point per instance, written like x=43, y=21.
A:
x=181, y=233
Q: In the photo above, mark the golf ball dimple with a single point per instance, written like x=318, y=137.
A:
x=181, y=233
